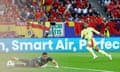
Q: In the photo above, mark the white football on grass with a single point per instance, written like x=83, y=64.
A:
x=10, y=63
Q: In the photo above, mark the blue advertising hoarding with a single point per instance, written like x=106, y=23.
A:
x=56, y=45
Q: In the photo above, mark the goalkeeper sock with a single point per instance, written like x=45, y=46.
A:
x=103, y=52
x=91, y=51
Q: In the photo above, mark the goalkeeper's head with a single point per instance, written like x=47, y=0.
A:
x=44, y=55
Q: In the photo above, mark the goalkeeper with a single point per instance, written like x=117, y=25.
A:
x=36, y=62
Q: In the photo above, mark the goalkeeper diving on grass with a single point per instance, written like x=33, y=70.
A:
x=40, y=62
x=87, y=34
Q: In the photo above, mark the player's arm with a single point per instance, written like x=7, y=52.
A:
x=37, y=65
x=55, y=63
x=82, y=35
x=97, y=32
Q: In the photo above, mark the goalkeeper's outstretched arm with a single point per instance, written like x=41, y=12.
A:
x=55, y=63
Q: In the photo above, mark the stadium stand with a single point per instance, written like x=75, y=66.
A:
x=57, y=10
x=112, y=8
x=23, y=12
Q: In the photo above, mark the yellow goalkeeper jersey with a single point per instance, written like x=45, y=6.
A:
x=87, y=33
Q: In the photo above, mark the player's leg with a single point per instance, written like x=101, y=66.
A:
x=103, y=52
x=27, y=64
x=92, y=52
x=25, y=61
x=20, y=59
x=89, y=48
x=20, y=65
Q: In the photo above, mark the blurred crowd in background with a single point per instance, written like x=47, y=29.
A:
x=57, y=11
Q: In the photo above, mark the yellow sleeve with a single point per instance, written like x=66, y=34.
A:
x=95, y=31
x=82, y=34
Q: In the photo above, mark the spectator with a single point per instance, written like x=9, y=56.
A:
x=76, y=18
x=110, y=6
x=2, y=8
x=35, y=4
x=99, y=19
x=72, y=11
x=71, y=18
x=43, y=18
x=49, y=4
x=23, y=13
x=31, y=16
x=38, y=14
x=85, y=11
x=51, y=18
x=53, y=12
x=67, y=14
x=68, y=6
x=79, y=11
x=61, y=10
x=115, y=13
x=107, y=2
x=56, y=4
x=74, y=4
x=90, y=11
x=28, y=12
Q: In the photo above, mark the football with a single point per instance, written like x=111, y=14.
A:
x=10, y=63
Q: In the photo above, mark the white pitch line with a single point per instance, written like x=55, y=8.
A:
x=85, y=69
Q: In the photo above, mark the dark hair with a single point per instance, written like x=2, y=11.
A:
x=44, y=53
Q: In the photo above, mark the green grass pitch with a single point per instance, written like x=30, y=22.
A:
x=68, y=62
